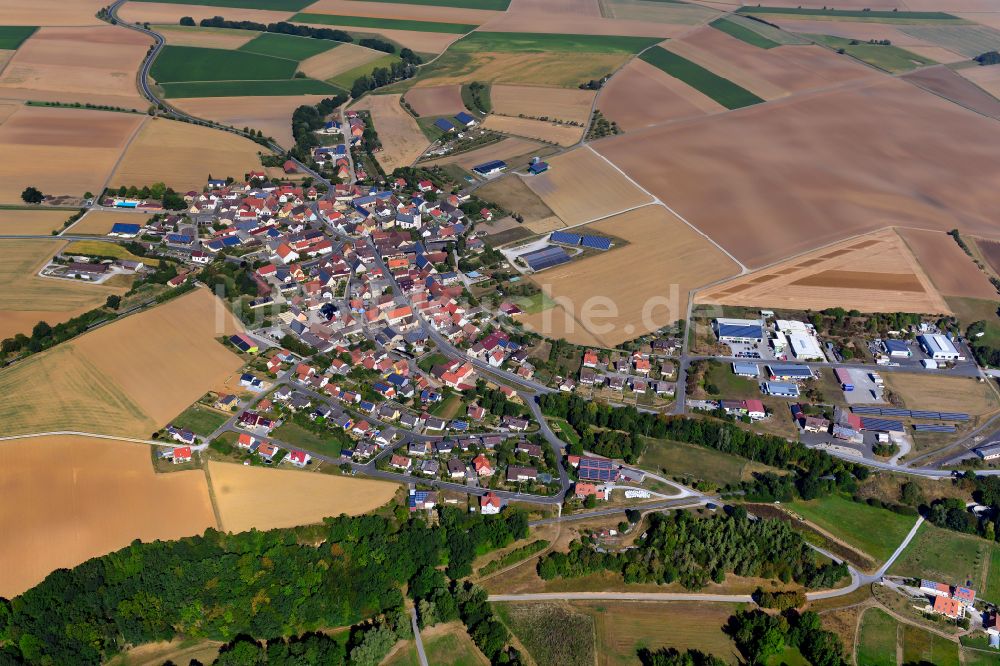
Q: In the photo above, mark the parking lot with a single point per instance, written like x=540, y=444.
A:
x=866, y=391
x=761, y=352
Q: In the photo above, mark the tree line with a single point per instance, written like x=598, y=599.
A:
x=694, y=552
x=281, y=582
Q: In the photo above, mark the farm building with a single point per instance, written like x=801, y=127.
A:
x=444, y=125
x=745, y=369
x=939, y=347
x=490, y=168
x=596, y=242
x=538, y=167
x=988, y=452
x=244, y=343
x=596, y=469
x=565, y=238
x=785, y=371
x=781, y=389
x=739, y=330
x=897, y=348
x=545, y=258
x=465, y=119
x=123, y=230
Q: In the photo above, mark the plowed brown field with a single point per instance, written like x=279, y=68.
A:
x=631, y=290
x=580, y=186
x=128, y=378
x=61, y=151
x=267, y=498
x=540, y=102
x=945, y=82
x=436, y=101
x=771, y=181
x=951, y=270
x=402, y=140
x=271, y=115
x=178, y=154
x=875, y=273
x=95, y=64
x=168, y=12
x=81, y=497
x=51, y=12
x=641, y=94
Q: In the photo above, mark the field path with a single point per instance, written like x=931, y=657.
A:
x=117, y=438
x=114, y=168
x=211, y=496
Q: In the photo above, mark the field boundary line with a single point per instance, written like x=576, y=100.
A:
x=211, y=496
x=657, y=200
x=118, y=162
x=94, y=435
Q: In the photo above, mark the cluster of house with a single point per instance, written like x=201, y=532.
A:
x=267, y=451
x=632, y=371
x=489, y=504
x=447, y=459
x=783, y=338
x=950, y=600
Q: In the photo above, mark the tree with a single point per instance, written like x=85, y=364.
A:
x=113, y=301
x=187, y=20
x=32, y=195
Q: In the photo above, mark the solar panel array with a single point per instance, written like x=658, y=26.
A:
x=565, y=238
x=596, y=242
x=545, y=258
x=595, y=469
x=887, y=425
x=910, y=413
x=925, y=427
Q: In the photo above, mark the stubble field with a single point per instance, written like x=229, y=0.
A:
x=987, y=78
x=944, y=394
x=436, y=101
x=511, y=193
x=402, y=140
x=99, y=222
x=263, y=498
x=563, y=135
x=580, y=186
x=95, y=64
x=646, y=283
x=271, y=115
x=566, y=70
x=640, y=95
x=168, y=12
x=177, y=154
x=125, y=379
x=405, y=11
x=829, y=158
x=344, y=58
x=32, y=222
x=578, y=17
x=875, y=273
x=209, y=38
x=950, y=269
x=80, y=497
x=51, y=12
x=26, y=298
x=61, y=151
x=538, y=102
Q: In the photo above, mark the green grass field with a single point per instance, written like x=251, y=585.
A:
x=743, y=34
x=723, y=91
x=991, y=591
x=681, y=459
x=495, y=5
x=565, y=431
x=248, y=88
x=289, y=47
x=384, y=23
x=296, y=435
x=11, y=36
x=943, y=555
x=892, y=59
x=921, y=647
x=193, y=63
x=979, y=658
x=346, y=79
x=529, y=42
x=279, y=5
x=730, y=385
x=200, y=420
x=98, y=248
x=877, y=532
x=877, y=639
x=888, y=16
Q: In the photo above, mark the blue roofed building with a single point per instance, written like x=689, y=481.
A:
x=739, y=330
x=597, y=469
x=444, y=125
x=746, y=369
x=786, y=371
x=898, y=348
x=781, y=389
x=465, y=119
x=545, y=258
x=490, y=168
x=124, y=230
x=538, y=167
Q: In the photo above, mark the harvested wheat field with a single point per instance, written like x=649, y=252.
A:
x=948, y=84
x=96, y=64
x=32, y=222
x=99, y=222
x=511, y=193
x=987, y=78
x=212, y=38
x=566, y=70
x=436, y=101
x=398, y=10
x=563, y=135
x=170, y=13
x=769, y=73
x=646, y=284
x=581, y=186
x=7, y=109
x=943, y=394
x=270, y=115
x=336, y=61
x=678, y=13
x=951, y=270
x=639, y=95
x=61, y=151
x=576, y=17
x=421, y=42
x=508, y=149
x=51, y=12
x=264, y=498
x=26, y=298
x=79, y=497
x=402, y=140
x=174, y=153
x=741, y=177
x=874, y=273
x=128, y=378
x=563, y=104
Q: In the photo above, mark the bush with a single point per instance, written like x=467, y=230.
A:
x=32, y=195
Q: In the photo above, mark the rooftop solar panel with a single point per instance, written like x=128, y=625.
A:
x=922, y=414
x=565, y=238
x=887, y=425
x=863, y=409
x=924, y=427
x=545, y=258
x=953, y=416
x=596, y=242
